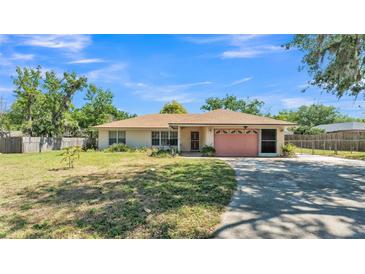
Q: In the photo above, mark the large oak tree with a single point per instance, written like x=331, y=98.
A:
x=336, y=62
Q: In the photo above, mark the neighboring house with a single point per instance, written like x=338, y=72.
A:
x=231, y=133
x=343, y=127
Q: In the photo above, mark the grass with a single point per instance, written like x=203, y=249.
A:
x=343, y=154
x=111, y=195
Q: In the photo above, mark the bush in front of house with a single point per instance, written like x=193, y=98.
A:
x=119, y=148
x=163, y=153
x=125, y=148
x=140, y=149
x=288, y=150
x=208, y=151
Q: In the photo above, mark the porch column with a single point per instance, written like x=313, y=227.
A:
x=178, y=139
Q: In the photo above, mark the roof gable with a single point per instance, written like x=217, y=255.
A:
x=229, y=117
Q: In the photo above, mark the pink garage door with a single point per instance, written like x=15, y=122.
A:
x=236, y=142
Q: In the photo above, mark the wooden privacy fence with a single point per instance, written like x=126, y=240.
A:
x=38, y=144
x=342, y=141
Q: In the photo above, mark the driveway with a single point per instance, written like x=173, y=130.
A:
x=304, y=197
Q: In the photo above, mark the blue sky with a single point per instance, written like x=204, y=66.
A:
x=145, y=71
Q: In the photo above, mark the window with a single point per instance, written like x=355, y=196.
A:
x=164, y=138
x=155, y=138
x=173, y=138
x=116, y=137
x=121, y=137
x=268, y=141
x=112, y=137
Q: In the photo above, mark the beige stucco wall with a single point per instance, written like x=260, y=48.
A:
x=185, y=137
x=103, y=139
x=139, y=138
x=209, y=136
x=280, y=139
x=134, y=138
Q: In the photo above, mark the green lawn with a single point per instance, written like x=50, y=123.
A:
x=111, y=195
x=343, y=154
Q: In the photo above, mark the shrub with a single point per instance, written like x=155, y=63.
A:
x=288, y=150
x=140, y=149
x=163, y=153
x=119, y=148
x=208, y=151
x=90, y=144
x=70, y=154
x=125, y=148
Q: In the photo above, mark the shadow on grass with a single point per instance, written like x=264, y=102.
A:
x=182, y=200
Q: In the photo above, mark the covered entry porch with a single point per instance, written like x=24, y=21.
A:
x=193, y=139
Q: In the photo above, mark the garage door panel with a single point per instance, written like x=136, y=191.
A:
x=236, y=144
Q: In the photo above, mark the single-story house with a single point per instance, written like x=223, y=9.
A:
x=230, y=133
x=343, y=127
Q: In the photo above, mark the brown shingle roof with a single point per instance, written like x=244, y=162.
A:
x=216, y=117
x=148, y=121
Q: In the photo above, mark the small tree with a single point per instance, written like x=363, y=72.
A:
x=173, y=107
x=70, y=154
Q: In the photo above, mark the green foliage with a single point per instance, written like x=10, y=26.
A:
x=43, y=105
x=163, y=153
x=4, y=116
x=288, y=150
x=98, y=109
x=59, y=92
x=335, y=62
x=70, y=154
x=208, y=151
x=307, y=117
x=173, y=107
x=28, y=97
x=313, y=115
x=232, y=103
x=124, y=148
x=118, y=148
x=307, y=130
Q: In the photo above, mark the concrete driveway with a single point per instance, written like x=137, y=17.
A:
x=304, y=197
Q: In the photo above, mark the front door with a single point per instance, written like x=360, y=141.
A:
x=194, y=140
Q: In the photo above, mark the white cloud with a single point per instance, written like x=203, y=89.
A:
x=5, y=90
x=242, y=46
x=87, y=61
x=250, y=51
x=72, y=43
x=20, y=56
x=296, y=102
x=233, y=40
x=303, y=86
x=207, y=39
x=241, y=81
x=6, y=66
x=114, y=72
x=166, y=93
